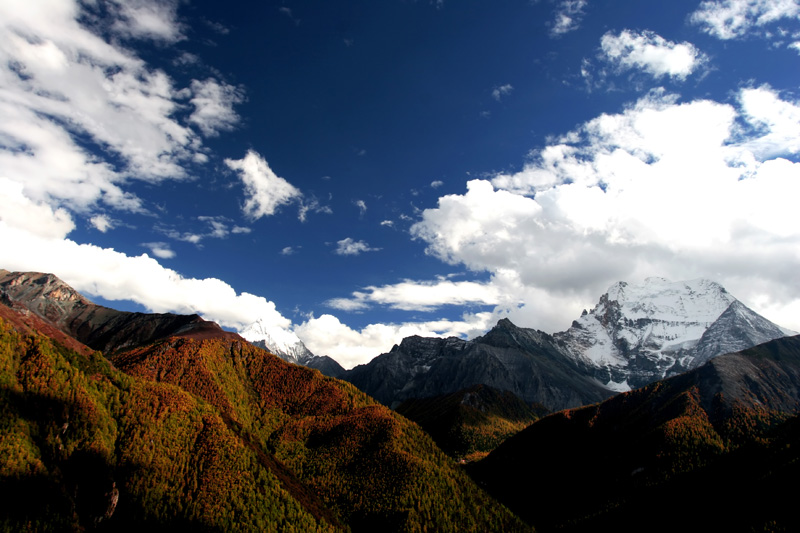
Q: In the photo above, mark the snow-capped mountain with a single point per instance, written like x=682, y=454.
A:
x=283, y=343
x=637, y=334
x=286, y=345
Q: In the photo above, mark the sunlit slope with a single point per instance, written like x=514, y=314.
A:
x=74, y=431
x=370, y=466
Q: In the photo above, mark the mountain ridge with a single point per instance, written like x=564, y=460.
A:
x=636, y=334
x=195, y=427
x=707, y=439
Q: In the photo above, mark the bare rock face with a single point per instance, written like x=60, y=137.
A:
x=98, y=327
x=635, y=335
x=638, y=334
x=526, y=362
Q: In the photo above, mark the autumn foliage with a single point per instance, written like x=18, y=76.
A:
x=213, y=434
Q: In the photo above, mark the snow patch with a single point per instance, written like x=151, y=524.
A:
x=618, y=387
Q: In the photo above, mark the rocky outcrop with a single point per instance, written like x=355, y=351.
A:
x=526, y=362
x=98, y=327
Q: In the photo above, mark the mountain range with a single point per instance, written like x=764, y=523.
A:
x=635, y=335
x=712, y=449
x=129, y=421
x=112, y=420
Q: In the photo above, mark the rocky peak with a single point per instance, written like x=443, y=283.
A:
x=30, y=286
x=639, y=333
x=426, y=349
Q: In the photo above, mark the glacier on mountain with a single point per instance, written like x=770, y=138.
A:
x=637, y=334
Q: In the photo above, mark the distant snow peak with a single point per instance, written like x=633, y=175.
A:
x=618, y=387
x=639, y=333
x=657, y=298
x=282, y=342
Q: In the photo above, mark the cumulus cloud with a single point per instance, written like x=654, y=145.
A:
x=731, y=19
x=265, y=191
x=650, y=52
x=568, y=17
x=683, y=190
x=69, y=95
x=350, y=246
x=326, y=335
x=18, y=211
x=115, y=276
x=101, y=222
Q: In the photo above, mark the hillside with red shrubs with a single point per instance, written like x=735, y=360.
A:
x=370, y=466
x=185, y=425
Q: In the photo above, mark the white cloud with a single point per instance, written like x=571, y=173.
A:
x=288, y=250
x=160, y=249
x=326, y=335
x=101, y=222
x=115, y=276
x=361, y=205
x=436, y=184
x=71, y=99
x=682, y=190
x=568, y=17
x=313, y=205
x=410, y=295
x=217, y=227
x=213, y=106
x=147, y=19
x=731, y=19
x=503, y=90
x=265, y=191
x=18, y=211
x=651, y=53
x=349, y=246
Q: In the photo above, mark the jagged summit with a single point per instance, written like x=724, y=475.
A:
x=281, y=342
x=639, y=333
x=658, y=298
x=286, y=345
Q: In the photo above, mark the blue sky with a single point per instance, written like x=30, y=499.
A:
x=359, y=171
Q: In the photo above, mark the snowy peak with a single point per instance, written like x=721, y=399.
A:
x=281, y=342
x=640, y=333
x=698, y=300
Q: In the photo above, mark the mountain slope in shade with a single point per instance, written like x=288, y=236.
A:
x=637, y=334
x=470, y=423
x=710, y=441
x=205, y=431
x=526, y=362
